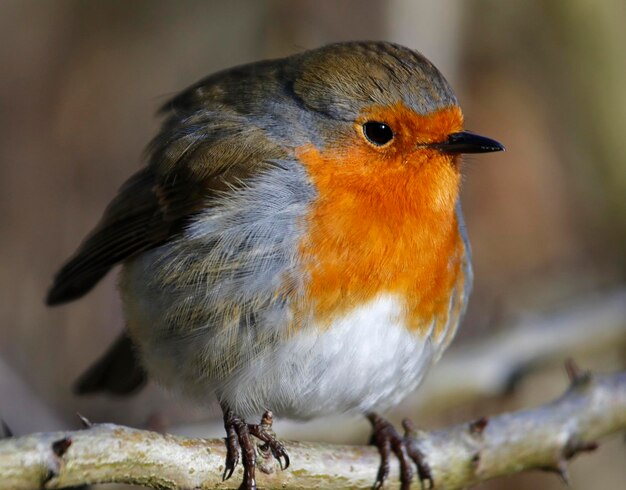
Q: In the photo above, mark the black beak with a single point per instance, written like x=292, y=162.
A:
x=466, y=142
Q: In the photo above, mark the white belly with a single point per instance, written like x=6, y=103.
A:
x=365, y=360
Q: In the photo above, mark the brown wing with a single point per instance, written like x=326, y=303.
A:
x=190, y=166
x=207, y=146
x=144, y=214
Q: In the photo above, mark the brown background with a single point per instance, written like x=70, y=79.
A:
x=79, y=84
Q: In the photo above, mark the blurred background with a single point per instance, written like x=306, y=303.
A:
x=79, y=85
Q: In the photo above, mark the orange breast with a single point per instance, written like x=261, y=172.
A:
x=384, y=220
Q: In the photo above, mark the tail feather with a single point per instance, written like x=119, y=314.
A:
x=117, y=372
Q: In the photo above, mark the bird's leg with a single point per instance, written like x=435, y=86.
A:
x=238, y=440
x=387, y=440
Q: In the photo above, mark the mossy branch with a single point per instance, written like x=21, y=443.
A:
x=460, y=456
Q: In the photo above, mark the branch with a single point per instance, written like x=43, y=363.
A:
x=541, y=438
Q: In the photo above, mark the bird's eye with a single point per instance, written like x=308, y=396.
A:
x=377, y=132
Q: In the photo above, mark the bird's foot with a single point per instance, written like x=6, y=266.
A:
x=387, y=440
x=238, y=441
x=264, y=433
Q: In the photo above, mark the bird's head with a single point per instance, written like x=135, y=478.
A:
x=382, y=116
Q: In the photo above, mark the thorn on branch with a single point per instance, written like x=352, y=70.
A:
x=561, y=470
x=6, y=430
x=476, y=429
x=563, y=473
x=478, y=426
x=576, y=375
x=573, y=447
x=84, y=421
x=61, y=446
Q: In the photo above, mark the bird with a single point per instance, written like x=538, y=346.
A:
x=294, y=244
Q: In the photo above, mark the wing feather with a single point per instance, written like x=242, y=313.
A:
x=206, y=147
x=139, y=218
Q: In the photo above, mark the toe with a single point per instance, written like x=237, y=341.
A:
x=387, y=439
x=264, y=433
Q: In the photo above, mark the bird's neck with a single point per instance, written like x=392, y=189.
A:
x=375, y=231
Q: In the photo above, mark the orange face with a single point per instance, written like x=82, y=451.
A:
x=384, y=220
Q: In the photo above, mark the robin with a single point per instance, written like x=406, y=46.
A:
x=295, y=242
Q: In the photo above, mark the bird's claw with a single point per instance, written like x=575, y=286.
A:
x=232, y=450
x=278, y=451
x=238, y=441
x=387, y=440
x=264, y=433
x=229, y=467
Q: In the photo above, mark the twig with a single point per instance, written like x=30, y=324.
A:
x=460, y=456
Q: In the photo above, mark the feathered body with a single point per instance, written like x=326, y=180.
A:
x=275, y=256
